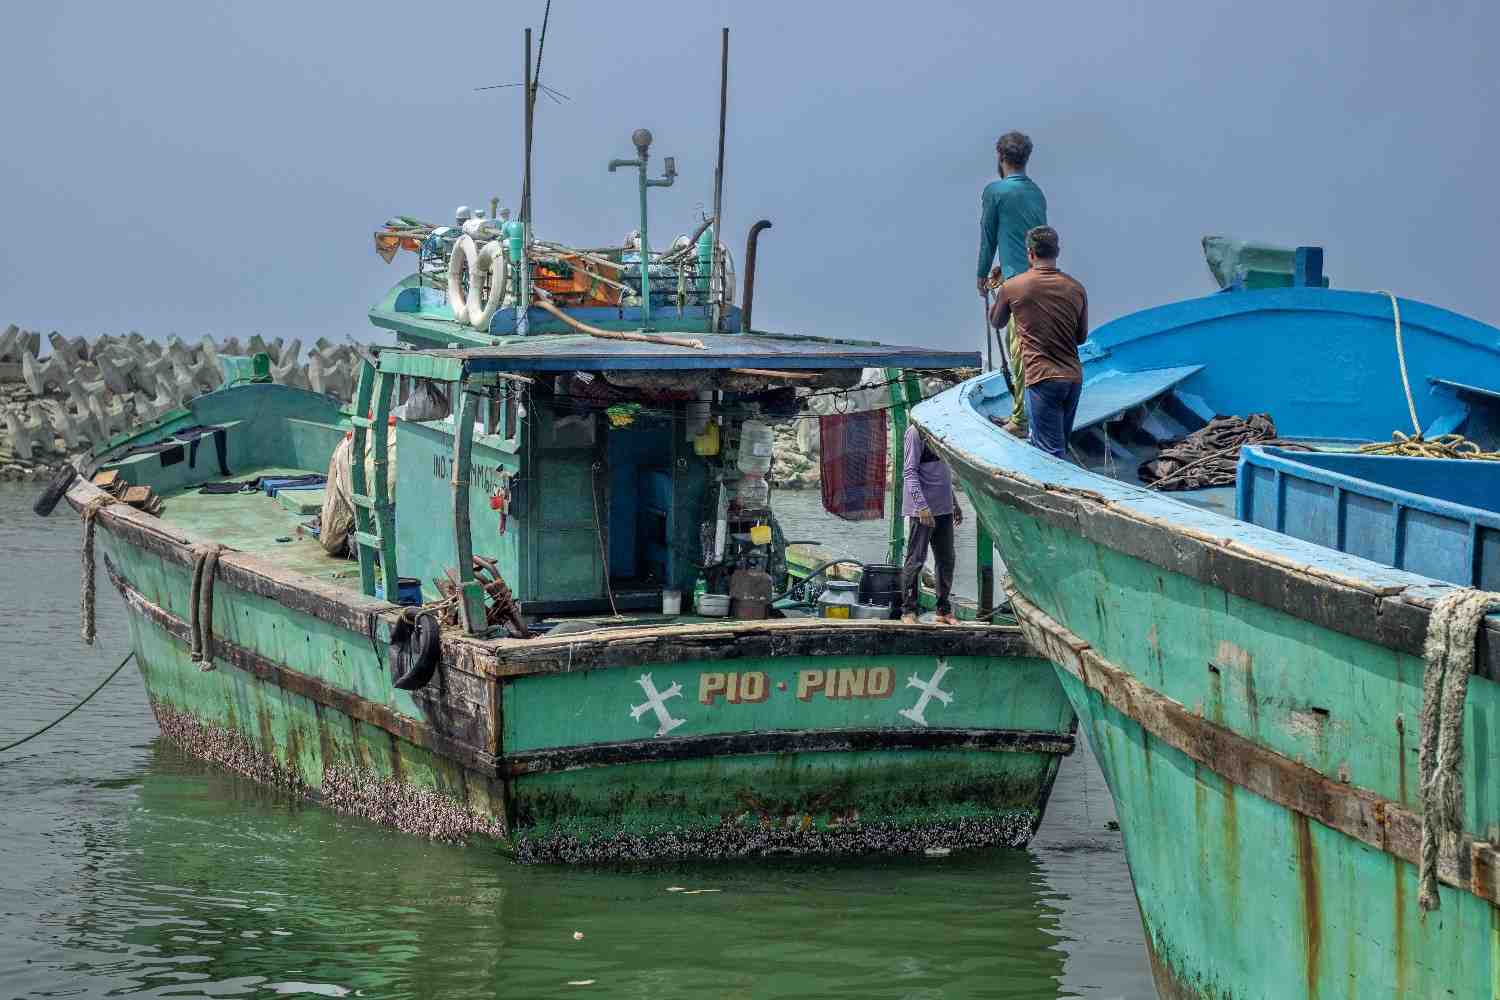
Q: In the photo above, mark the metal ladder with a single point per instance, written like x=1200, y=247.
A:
x=374, y=511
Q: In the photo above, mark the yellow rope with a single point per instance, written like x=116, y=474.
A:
x=1416, y=446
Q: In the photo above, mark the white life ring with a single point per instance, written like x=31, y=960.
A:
x=465, y=257
x=493, y=260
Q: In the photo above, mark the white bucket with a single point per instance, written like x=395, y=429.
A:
x=671, y=602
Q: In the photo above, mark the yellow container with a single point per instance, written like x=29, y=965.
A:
x=760, y=534
x=706, y=445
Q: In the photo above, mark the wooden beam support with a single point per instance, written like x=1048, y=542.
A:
x=471, y=595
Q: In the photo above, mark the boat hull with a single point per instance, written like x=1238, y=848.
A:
x=733, y=740
x=1264, y=768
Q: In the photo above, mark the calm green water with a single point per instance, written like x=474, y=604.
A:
x=129, y=870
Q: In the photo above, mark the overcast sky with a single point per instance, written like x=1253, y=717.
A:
x=184, y=169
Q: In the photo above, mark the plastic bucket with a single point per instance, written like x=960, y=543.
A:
x=881, y=584
x=408, y=591
x=671, y=602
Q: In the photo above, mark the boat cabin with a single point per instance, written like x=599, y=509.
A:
x=594, y=476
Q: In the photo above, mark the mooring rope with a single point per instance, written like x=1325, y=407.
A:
x=86, y=599
x=201, y=604
x=1411, y=406
x=1449, y=655
x=109, y=677
x=1415, y=446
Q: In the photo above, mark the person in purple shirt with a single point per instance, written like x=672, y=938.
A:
x=928, y=500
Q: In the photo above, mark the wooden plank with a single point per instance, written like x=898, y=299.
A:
x=574, y=758
x=742, y=640
x=471, y=597
x=1369, y=818
x=382, y=514
x=364, y=518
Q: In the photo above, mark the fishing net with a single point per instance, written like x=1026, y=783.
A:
x=1210, y=455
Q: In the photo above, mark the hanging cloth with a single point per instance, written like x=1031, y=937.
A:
x=852, y=463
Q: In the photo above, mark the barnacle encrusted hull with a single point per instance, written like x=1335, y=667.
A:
x=750, y=740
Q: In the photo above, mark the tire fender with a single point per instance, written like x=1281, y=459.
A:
x=54, y=490
x=415, y=649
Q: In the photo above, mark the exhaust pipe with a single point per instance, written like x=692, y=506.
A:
x=749, y=298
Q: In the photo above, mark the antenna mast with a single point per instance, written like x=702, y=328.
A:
x=718, y=306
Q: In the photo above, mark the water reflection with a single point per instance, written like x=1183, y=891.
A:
x=128, y=869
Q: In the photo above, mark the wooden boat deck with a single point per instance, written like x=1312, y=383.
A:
x=259, y=525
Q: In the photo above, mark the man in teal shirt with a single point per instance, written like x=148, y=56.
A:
x=1009, y=209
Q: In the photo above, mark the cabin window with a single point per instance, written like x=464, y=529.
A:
x=493, y=416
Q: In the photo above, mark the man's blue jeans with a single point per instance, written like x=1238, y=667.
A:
x=1051, y=406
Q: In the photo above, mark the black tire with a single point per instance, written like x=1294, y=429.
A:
x=55, y=489
x=415, y=648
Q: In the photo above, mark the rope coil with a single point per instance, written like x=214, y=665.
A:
x=1449, y=656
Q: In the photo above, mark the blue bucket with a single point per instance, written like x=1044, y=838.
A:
x=408, y=590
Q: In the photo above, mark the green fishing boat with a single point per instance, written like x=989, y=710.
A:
x=545, y=598
x=1279, y=651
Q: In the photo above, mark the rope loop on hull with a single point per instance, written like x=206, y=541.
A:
x=1449, y=655
x=201, y=604
x=86, y=600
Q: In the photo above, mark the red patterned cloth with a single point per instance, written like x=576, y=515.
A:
x=852, y=464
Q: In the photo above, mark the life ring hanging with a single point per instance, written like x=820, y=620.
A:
x=464, y=258
x=494, y=262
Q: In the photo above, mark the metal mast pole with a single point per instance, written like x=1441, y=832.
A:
x=717, y=313
x=523, y=299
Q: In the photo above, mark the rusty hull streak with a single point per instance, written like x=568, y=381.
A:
x=1312, y=912
x=1354, y=812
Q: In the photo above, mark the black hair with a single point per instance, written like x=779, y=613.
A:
x=1014, y=148
x=1042, y=241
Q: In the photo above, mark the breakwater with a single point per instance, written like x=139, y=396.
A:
x=62, y=396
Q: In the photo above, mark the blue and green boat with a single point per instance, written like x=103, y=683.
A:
x=1248, y=657
x=550, y=454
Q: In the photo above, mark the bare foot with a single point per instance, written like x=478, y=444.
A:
x=946, y=619
x=908, y=619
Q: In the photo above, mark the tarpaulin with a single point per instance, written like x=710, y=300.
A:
x=852, y=464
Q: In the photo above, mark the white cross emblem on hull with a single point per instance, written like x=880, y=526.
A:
x=930, y=689
x=657, y=702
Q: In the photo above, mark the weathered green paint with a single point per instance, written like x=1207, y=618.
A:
x=593, y=706
x=419, y=365
x=1242, y=896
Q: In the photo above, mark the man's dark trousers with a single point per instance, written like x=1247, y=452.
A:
x=1053, y=404
x=940, y=538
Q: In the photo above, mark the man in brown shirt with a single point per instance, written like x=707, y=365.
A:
x=1051, y=311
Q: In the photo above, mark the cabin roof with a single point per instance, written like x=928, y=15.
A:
x=579, y=352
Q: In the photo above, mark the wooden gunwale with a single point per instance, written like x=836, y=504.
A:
x=784, y=741
x=1390, y=616
x=1369, y=818
x=505, y=658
